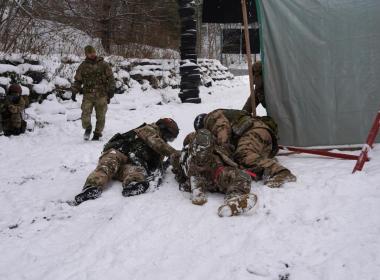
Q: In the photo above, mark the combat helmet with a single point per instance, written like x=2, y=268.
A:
x=168, y=128
x=199, y=121
x=15, y=88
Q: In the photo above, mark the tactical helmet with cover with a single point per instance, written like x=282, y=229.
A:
x=199, y=121
x=168, y=128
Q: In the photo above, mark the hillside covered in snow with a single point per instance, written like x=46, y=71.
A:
x=324, y=226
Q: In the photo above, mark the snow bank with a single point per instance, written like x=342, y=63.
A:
x=4, y=68
x=4, y=81
x=43, y=87
x=46, y=74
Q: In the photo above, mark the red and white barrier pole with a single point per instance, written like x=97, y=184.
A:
x=369, y=144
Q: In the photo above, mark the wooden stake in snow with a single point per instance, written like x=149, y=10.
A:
x=249, y=57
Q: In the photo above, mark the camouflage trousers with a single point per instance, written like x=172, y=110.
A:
x=100, y=105
x=13, y=125
x=253, y=151
x=206, y=170
x=114, y=165
x=228, y=180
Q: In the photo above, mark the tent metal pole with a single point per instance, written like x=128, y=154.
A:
x=249, y=57
x=319, y=152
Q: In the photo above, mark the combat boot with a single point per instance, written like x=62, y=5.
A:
x=96, y=136
x=280, y=178
x=87, y=133
x=89, y=192
x=185, y=186
x=198, y=196
x=237, y=204
x=135, y=188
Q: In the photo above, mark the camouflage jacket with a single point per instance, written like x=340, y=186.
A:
x=13, y=104
x=259, y=91
x=96, y=77
x=218, y=155
x=143, y=146
x=227, y=125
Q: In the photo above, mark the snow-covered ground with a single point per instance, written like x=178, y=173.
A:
x=324, y=226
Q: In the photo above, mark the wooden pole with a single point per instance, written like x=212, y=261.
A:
x=249, y=57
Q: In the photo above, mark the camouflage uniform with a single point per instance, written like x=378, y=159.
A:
x=131, y=157
x=259, y=88
x=11, y=114
x=204, y=166
x=98, y=83
x=253, y=141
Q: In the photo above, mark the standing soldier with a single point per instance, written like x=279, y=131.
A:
x=259, y=88
x=95, y=79
x=253, y=141
x=135, y=158
x=11, y=112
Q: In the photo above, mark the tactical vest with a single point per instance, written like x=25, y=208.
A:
x=94, y=76
x=241, y=121
x=137, y=151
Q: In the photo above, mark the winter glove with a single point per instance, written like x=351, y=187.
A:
x=108, y=100
x=12, y=109
x=110, y=94
x=175, y=161
x=74, y=97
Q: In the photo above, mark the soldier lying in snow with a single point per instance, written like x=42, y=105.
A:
x=253, y=142
x=203, y=166
x=134, y=158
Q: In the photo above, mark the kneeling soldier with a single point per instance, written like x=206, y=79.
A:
x=132, y=158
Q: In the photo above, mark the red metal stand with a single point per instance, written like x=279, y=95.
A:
x=320, y=152
x=369, y=144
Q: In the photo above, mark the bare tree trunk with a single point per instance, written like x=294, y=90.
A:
x=106, y=26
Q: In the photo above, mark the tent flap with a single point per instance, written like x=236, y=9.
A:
x=321, y=69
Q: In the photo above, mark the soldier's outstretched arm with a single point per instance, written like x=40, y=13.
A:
x=153, y=140
x=219, y=126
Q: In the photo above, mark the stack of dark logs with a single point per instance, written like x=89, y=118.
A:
x=189, y=70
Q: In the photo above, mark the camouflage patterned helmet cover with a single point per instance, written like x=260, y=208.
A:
x=168, y=127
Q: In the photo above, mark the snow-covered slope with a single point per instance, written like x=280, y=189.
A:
x=325, y=226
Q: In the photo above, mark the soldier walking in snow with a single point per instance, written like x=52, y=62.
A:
x=11, y=108
x=95, y=79
x=135, y=158
x=252, y=140
x=204, y=166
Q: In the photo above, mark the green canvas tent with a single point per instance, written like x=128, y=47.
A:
x=321, y=68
